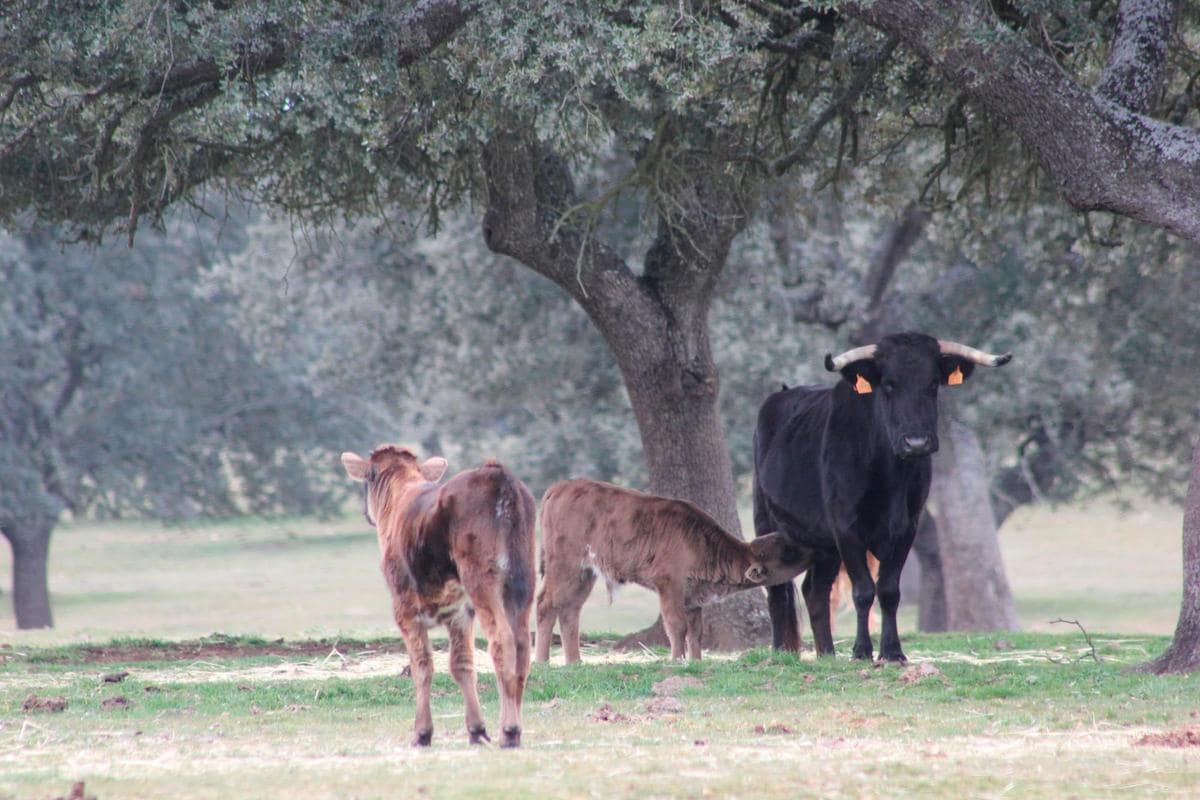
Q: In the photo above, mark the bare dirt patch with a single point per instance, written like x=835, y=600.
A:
x=115, y=703
x=215, y=648
x=922, y=672
x=1184, y=737
x=51, y=704
x=606, y=713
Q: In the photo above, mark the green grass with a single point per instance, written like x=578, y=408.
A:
x=1036, y=717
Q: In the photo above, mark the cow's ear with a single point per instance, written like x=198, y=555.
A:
x=433, y=469
x=862, y=375
x=757, y=573
x=356, y=466
x=954, y=370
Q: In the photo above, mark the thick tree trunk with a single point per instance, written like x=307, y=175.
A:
x=655, y=324
x=675, y=403
x=30, y=544
x=977, y=596
x=1183, y=654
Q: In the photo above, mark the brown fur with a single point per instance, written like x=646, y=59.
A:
x=591, y=528
x=451, y=553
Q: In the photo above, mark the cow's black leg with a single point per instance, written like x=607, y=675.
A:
x=817, y=583
x=785, y=625
x=781, y=599
x=890, y=565
x=854, y=556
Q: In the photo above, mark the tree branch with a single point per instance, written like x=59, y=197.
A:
x=838, y=105
x=1103, y=156
x=528, y=192
x=1133, y=75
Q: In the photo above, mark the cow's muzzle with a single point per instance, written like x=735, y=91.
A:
x=916, y=446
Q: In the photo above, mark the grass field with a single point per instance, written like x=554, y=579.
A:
x=1020, y=715
x=980, y=716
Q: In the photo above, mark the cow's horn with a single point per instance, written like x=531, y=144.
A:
x=971, y=354
x=835, y=364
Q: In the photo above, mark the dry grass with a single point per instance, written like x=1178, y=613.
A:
x=1113, y=570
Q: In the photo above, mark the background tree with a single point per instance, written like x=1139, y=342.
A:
x=332, y=108
x=125, y=390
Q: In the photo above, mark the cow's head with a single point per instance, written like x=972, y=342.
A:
x=389, y=466
x=901, y=376
x=776, y=559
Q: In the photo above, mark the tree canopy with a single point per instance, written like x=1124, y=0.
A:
x=556, y=121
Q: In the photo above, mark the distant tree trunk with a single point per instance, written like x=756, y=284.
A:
x=30, y=544
x=977, y=596
x=655, y=323
x=1183, y=654
x=931, y=593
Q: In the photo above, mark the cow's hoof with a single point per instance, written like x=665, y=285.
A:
x=479, y=735
x=511, y=738
x=893, y=658
x=422, y=739
x=863, y=655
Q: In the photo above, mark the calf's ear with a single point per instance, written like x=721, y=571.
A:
x=356, y=466
x=757, y=573
x=433, y=469
x=954, y=370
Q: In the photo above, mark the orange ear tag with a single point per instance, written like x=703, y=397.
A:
x=863, y=386
x=955, y=378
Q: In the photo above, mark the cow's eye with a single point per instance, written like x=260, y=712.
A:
x=888, y=387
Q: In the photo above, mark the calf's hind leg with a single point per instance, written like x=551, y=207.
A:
x=420, y=659
x=695, y=629
x=462, y=667
x=547, y=615
x=502, y=646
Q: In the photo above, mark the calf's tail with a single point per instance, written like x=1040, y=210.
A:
x=514, y=521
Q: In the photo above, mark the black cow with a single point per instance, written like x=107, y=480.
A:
x=845, y=469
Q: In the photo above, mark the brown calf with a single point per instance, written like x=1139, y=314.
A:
x=451, y=553
x=591, y=528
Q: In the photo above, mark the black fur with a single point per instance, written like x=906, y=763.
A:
x=842, y=473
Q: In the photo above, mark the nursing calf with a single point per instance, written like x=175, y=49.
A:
x=591, y=528
x=451, y=553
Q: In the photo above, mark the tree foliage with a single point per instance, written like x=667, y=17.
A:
x=127, y=389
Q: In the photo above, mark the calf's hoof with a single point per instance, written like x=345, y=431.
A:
x=479, y=735
x=422, y=739
x=512, y=737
